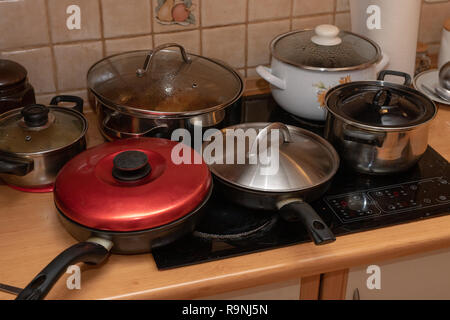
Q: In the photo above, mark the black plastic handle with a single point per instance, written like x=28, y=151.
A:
x=301, y=211
x=64, y=98
x=377, y=98
x=88, y=252
x=16, y=166
x=404, y=75
x=35, y=115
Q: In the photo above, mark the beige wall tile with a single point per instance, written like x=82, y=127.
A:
x=432, y=21
x=83, y=95
x=342, y=5
x=73, y=62
x=267, y=9
x=158, y=27
x=220, y=12
x=23, y=23
x=114, y=46
x=190, y=40
x=305, y=7
x=311, y=22
x=343, y=21
x=90, y=20
x=44, y=98
x=251, y=73
x=39, y=65
x=226, y=43
x=259, y=37
x=130, y=17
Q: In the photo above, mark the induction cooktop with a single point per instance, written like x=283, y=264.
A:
x=354, y=203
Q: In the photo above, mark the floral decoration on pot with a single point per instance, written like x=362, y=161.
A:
x=175, y=12
x=322, y=89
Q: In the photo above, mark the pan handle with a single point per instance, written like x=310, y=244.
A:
x=298, y=210
x=92, y=251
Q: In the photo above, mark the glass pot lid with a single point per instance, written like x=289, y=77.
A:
x=164, y=81
x=37, y=128
x=380, y=104
x=325, y=48
x=303, y=159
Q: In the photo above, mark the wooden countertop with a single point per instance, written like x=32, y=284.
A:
x=31, y=236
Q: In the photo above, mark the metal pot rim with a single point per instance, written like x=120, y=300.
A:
x=373, y=127
x=56, y=150
x=362, y=66
x=319, y=139
x=150, y=113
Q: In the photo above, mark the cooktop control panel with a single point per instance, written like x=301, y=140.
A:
x=395, y=199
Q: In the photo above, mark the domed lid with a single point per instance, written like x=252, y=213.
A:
x=11, y=73
x=164, y=81
x=131, y=185
x=37, y=128
x=325, y=48
x=380, y=104
x=301, y=160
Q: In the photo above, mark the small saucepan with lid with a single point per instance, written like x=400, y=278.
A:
x=36, y=141
x=379, y=127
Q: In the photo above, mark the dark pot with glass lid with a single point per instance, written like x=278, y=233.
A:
x=15, y=90
x=379, y=127
x=36, y=141
x=144, y=93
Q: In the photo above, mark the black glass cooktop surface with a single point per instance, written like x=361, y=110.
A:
x=354, y=203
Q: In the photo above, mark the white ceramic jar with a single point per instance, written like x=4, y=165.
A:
x=307, y=63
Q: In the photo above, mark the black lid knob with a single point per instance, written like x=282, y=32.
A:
x=35, y=115
x=131, y=166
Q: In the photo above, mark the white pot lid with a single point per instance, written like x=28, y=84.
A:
x=326, y=48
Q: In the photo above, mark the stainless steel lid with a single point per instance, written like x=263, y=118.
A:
x=325, y=48
x=164, y=81
x=37, y=128
x=380, y=104
x=305, y=160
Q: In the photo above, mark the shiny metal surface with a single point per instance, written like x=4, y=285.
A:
x=46, y=167
x=354, y=103
x=305, y=162
x=47, y=158
x=171, y=87
x=371, y=144
x=354, y=53
x=376, y=152
x=115, y=125
x=87, y=193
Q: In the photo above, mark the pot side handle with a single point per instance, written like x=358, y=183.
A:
x=365, y=137
x=266, y=74
x=382, y=63
x=16, y=166
x=65, y=98
x=298, y=210
x=89, y=252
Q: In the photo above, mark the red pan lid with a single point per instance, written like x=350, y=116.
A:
x=130, y=185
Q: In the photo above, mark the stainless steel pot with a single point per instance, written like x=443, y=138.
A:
x=379, y=127
x=144, y=93
x=36, y=141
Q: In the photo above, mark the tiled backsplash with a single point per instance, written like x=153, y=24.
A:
x=34, y=32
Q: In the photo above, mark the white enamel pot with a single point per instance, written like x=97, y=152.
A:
x=300, y=89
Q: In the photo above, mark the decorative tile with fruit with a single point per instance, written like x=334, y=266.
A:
x=175, y=12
